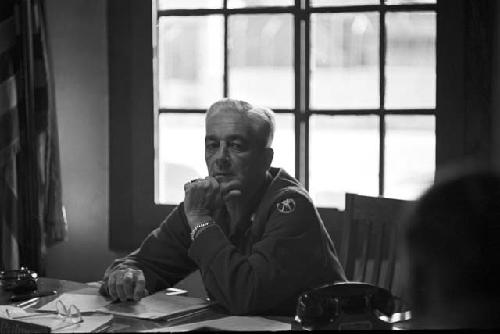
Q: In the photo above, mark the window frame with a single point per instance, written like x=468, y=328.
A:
x=133, y=212
x=302, y=12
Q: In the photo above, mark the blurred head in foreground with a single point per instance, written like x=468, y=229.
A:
x=453, y=248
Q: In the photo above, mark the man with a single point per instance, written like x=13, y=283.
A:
x=250, y=229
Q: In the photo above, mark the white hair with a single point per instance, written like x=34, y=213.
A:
x=262, y=118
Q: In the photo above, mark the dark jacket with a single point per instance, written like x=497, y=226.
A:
x=261, y=268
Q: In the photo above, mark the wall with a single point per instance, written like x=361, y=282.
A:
x=78, y=42
x=467, y=88
x=495, y=124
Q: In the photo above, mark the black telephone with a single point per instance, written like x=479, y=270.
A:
x=345, y=305
x=18, y=281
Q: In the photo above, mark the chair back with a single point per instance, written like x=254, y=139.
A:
x=370, y=241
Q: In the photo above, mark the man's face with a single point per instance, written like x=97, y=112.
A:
x=232, y=151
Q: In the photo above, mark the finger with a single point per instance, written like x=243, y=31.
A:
x=232, y=194
x=187, y=184
x=205, y=188
x=119, y=286
x=103, y=289
x=216, y=192
x=233, y=184
x=230, y=189
x=214, y=185
x=194, y=184
x=128, y=284
x=140, y=285
x=112, y=285
x=203, y=183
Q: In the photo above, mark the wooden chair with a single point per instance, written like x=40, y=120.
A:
x=369, y=246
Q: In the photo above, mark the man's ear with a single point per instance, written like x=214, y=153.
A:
x=268, y=155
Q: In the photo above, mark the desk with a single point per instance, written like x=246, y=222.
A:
x=119, y=323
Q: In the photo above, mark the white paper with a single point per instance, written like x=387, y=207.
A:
x=230, y=323
x=155, y=306
x=85, y=303
x=57, y=325
x=88, y=290
x=9, y=311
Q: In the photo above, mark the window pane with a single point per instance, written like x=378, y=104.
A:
x=189, y=4
x=261, y=59
x=411, y=60
x=344, y=61
x=284, y=143
x=408, y=2
x=410, y=155
x=190, y=61
x=344, y=157
x=318, y=3
x=258, y=3
x=181, y=155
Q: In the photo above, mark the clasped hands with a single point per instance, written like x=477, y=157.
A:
x=201, y=198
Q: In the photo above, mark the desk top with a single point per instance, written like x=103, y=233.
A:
x=120, y=323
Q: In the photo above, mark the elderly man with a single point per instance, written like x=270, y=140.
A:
x=251, y=229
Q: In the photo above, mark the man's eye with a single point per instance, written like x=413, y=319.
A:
x=236, y=146
x=211, y=146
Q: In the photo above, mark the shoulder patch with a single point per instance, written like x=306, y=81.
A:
x=286, y=206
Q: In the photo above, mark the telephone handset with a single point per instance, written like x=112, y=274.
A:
x=344, y=305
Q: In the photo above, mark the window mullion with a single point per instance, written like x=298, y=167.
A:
x=301, y=92
x=305, y=114
x=225, y=79
x=382, y=55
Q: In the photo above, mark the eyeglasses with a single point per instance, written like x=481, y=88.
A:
x=67, y=316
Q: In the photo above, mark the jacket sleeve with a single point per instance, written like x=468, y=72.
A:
x=291, y=256
x=162, y=256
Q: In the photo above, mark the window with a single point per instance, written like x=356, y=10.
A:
x=352, y=82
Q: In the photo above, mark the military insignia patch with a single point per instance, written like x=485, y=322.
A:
x=286, y=206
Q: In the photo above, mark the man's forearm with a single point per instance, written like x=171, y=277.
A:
x=163, y=255
x=259, y=283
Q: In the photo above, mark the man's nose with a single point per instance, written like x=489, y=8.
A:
x=222, y=156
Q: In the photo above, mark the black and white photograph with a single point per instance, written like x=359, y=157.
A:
x=249, y=165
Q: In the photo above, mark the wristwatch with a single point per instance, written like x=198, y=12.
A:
x=200, y=227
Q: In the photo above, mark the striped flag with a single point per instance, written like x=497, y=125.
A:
x=50, y=210
x=31, y=211
x=9, y=140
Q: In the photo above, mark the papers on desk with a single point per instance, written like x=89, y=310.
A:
x=231, y=323
x=85, y=303
x=89, y=324
x=8, y=311
x=18, y=318
x=156, y=306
